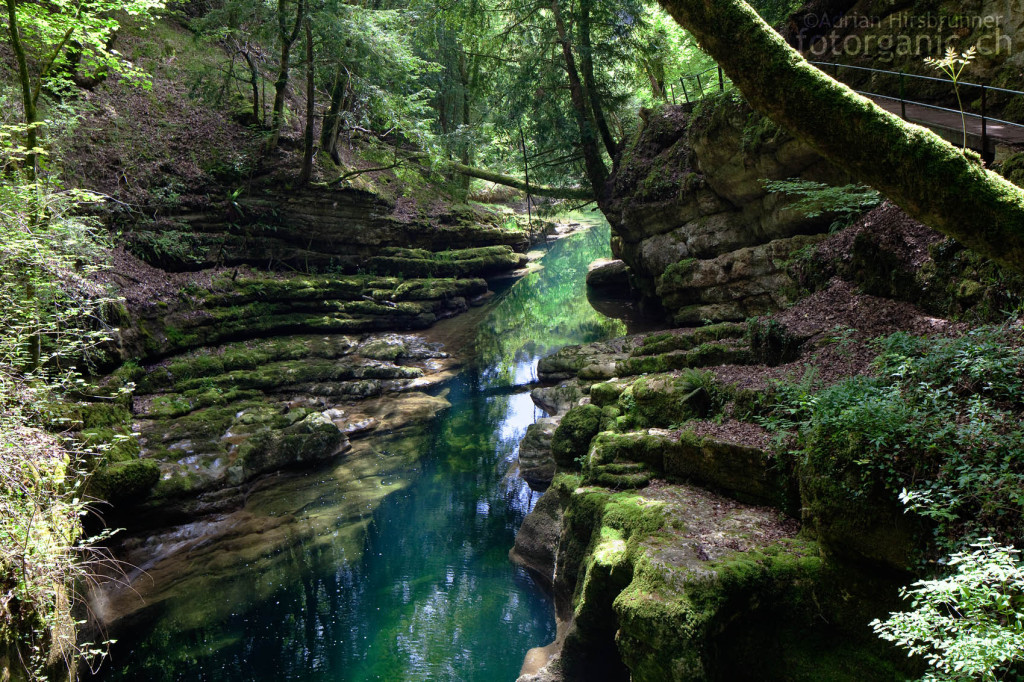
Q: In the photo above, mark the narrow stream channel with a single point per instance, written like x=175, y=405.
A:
x=419, y=587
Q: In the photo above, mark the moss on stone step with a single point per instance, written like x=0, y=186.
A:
x=666, y=342
x=739, y=471
x=571, y=439
x=463, y=263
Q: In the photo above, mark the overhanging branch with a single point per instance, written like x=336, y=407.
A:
x=927, y=177
x=516, y=183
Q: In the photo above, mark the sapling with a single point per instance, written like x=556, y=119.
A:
x=953, y=65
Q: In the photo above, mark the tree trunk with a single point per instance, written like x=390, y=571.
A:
x=466, y=151
x=930, y=179
x=332, y=119
x=281, y=84
x=590, y=83
x=28, y=101
x=307, y=138
x=254, y=81
x=516, y=183
x=597, y=173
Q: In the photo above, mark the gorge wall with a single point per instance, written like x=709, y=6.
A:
x=692, y=219
x=693, y=527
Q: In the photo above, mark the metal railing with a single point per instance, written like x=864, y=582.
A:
x=698, y=92
x=903, y=101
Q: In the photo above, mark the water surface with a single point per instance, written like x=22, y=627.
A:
x=391, y=564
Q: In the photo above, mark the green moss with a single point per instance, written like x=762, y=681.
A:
x=771, y=343
x=658, y=344
x=606, y=393
x=674, y=621
x=759, y=132
x=478, y=262
x=127, y=481
x=572, y=437
x=96, y=415
x=112, y=445
x=663, y=400
x=677, y=275
x=1013, y=169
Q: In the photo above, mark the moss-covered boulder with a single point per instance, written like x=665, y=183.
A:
x=126, y=481
x=314, y=438
x=673, y=583
x=742, y=472
x=571, y=439
x=665, y=400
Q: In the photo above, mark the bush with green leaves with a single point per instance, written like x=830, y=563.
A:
x=938, y=427
x=814, y=199
x=969, y=624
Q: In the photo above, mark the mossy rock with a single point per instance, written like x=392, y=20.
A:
x=572, y=438
x=666, y=342
x=478, y=262
x=128, y=481
x=771, y=343
x=674, y=617
x=853, y=524
x=113, y=445
x=607, y=393
x=313, y=438
x=664, y=400
x=742, y=472
x=703, y=355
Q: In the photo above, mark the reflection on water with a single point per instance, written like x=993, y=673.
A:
x=391, y=564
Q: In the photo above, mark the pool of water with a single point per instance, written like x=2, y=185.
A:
x=391, y=564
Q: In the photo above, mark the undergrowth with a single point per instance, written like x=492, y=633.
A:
x=937, y=426
x=50, y=313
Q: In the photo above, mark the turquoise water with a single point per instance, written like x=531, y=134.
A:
x=394, y=565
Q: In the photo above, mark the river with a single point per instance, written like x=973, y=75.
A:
x=393, y=564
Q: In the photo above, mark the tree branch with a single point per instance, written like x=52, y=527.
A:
x=516, y=183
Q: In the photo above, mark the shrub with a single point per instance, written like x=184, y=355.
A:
x=939, y=428
x=968, y=625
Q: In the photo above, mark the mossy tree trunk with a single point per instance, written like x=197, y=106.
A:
x=516, y=183
x=287, y=38
x=929, y=178
x=27, y=97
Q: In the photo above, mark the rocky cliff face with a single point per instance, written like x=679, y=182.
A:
x=312, y=228
x=685, y=532
x=692, y=219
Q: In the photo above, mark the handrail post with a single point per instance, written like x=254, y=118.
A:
x=686, y=94
x=984, y=123
x=903, y=101
x=700, y=86
x=721, y=80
